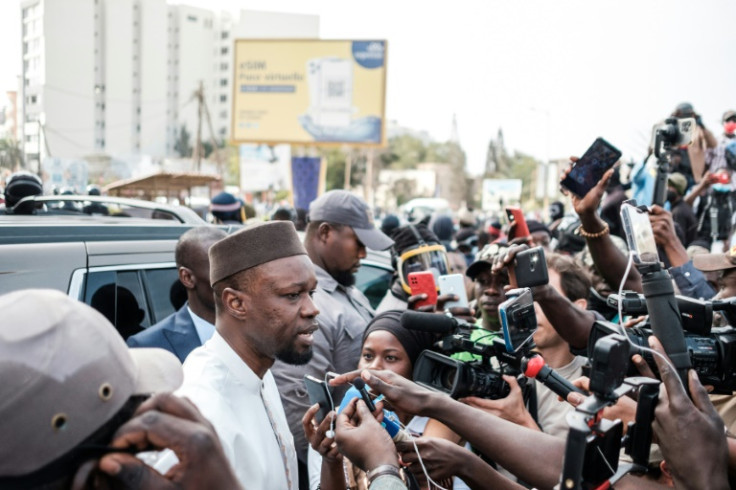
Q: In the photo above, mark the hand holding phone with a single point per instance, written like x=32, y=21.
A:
x=423, y=283
x=530, y=268
x=318, y=392
x=589, y=169
x=454, y=284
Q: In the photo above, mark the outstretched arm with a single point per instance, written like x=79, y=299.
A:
x=506, y=443
x=608, y=259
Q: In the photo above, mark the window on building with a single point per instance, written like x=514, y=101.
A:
x=191, y=18
x=223, y=82
x=225, y=35
x=223, y=98
x=223, y=66
x=224, y=50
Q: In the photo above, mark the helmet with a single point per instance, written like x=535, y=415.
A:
x=22, y=184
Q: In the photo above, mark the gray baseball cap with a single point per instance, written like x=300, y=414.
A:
x=344, y=208
x=65, y=372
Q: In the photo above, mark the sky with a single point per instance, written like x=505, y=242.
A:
x=553, y=75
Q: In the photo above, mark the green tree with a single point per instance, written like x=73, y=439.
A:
x=11, y=154
x=404, y=152
x=183, y=144
x=524, y=167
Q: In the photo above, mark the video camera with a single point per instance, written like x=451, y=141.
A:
x=712, y=351
x=457, y=378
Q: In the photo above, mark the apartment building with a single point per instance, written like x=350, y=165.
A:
x=117, y=77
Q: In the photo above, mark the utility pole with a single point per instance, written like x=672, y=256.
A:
x=197, y=155
x=203, y=110
x=348, y=168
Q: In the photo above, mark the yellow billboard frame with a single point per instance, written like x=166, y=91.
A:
x=319, y=47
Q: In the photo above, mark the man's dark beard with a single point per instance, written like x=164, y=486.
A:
x=344, y=278
x=291, y=356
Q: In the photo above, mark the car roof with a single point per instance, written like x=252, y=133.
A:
x=44, y=205
x=84, y=228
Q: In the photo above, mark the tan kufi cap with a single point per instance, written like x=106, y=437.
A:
x=64, y=372
x=253, y=246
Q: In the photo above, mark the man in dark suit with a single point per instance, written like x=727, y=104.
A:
x=193, y=324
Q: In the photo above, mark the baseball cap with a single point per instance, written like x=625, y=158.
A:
x=485, y=258
x=344, y=208
x=678, y=181
x=65, y=372
x=728, y=115
x=716, y=262
x=684, y=109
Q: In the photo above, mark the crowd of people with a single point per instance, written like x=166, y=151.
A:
x=227, y=405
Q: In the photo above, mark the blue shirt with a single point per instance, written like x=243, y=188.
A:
x=204, y=328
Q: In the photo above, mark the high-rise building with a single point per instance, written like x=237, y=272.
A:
x=117, y=77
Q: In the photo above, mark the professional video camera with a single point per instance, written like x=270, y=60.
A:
x=712, y=351
x=457, y=378
x=594, y=443
x=667, y=138
x=508, y=355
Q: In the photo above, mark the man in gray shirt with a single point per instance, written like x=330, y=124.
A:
x=339, y=230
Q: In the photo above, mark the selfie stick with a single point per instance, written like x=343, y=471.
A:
x=659, y=196
x=664, y=316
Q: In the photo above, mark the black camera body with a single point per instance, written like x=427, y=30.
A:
x=440, y=372
x=459, y=378
x=713, y=357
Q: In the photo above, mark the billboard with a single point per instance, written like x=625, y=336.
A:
x=498, y=193
x=309, y=92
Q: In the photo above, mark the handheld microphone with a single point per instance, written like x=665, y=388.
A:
x=537, y=369
x=359, y=385
x=429, y=322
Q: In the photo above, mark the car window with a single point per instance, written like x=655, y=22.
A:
x=164, y=292
x=119, y=296
x=373, y=281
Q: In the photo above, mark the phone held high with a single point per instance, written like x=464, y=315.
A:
x=589, y=169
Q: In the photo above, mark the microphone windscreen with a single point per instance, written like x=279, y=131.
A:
x=428, y=322
x=359, y=383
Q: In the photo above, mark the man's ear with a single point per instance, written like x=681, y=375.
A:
x=323, y=232
x=187, y=278
x=582, y=303
x=667, y=476
x=236, y=303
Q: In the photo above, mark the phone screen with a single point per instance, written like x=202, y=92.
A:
x=639, y=234
x=518, y=319
x=589, y=169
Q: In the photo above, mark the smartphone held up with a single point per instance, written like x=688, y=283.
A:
x=591, y=167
